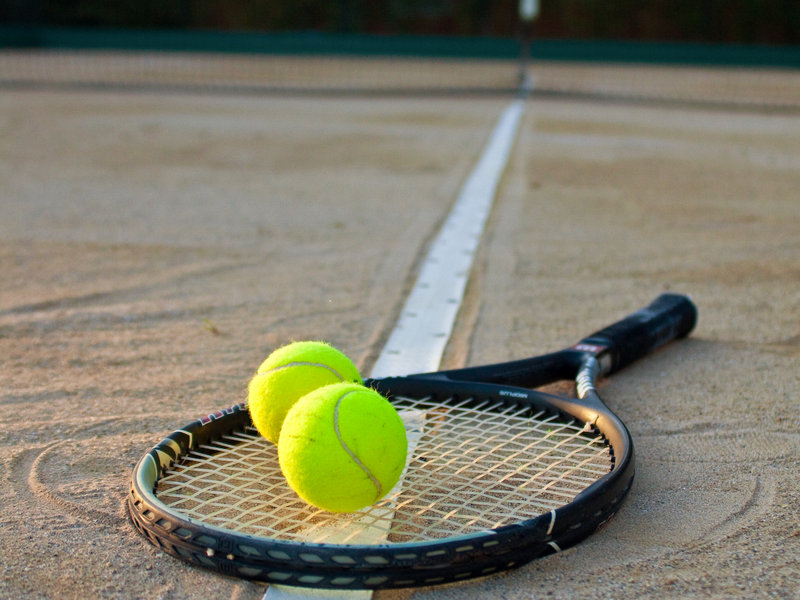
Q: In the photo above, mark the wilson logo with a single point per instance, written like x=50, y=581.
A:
x=513, y=394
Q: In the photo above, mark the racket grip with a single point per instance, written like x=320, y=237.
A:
x=668, y=317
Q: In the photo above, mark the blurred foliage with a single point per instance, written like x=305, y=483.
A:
x=740, y=21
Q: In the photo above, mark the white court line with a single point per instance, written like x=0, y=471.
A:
x=419, y=338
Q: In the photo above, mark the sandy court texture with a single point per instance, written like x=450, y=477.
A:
x=155, y=247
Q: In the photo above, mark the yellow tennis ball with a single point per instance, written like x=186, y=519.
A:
x=343, y=447
x=288, y=374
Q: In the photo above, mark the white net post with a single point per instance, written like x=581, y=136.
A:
x=528, y=13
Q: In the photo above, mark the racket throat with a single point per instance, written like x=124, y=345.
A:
x=585, y=390
x=587, y=375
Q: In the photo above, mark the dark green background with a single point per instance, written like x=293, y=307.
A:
x=774, y=22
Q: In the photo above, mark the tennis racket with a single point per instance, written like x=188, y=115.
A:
x=497, y=475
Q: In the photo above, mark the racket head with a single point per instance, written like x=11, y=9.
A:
x=476, y=497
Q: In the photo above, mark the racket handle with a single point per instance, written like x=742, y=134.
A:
x=668, y=317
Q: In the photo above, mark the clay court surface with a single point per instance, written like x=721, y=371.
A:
x=155, y=246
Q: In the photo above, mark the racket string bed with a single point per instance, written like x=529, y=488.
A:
x=478, y=465
x=488, y=482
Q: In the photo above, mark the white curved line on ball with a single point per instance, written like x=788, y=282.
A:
x=350, y=453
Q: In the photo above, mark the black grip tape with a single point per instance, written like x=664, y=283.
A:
x=668, y=317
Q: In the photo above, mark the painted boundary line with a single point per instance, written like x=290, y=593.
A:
x=419, y=338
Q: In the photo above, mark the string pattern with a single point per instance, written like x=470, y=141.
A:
x=473, y=466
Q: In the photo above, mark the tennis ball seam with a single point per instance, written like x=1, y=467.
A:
x=375, y=481
x=304, y=364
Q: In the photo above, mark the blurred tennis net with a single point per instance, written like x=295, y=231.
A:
x=255, y=73
x=300, y=63
x=258, y=63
